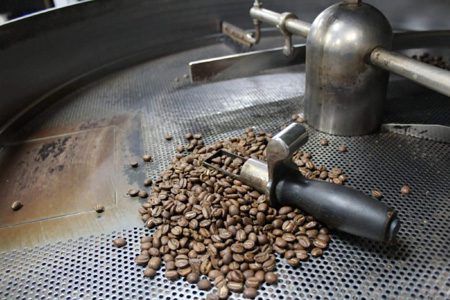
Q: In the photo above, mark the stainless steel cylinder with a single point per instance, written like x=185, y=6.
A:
x=344, y=93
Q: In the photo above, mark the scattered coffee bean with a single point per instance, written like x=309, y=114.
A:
x=193, y=277
x=271, y=278
x=133, y=192
x=148, y=182
x=316, y=252
x=212, y=296
x=168, y=136
x=172, y=275
x=223, y=292
x=250, y=293
x=204, y=285
x=406, y=189
x=154, y=263
x=143, y=194
x=147, y=158
x=16, y=205
x=134, y=164
x=377, y=194
x=119, y=242
x=236, y=287
x=149, y=272
x=324, y=142
x=99, y=208
x=342, y=148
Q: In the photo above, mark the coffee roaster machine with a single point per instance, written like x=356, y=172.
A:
x=89, y=87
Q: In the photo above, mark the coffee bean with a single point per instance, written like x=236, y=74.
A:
x=204, y=285
x=147, y=158
x=143, y=194
x=320, y=243
x=271, y=278
x=316, y=252
x=223, y=292
x=252, y=282
x=172, y=275
x=324, y=142
x=133, y=192
x=98, y=208
x=119, y=242
x=170, y=265
x=149, y=272
x=294, y=261
x=183, y=272
x=406, y=189
x=16, y=205
x=342, y=148
x=148, y=182
x=193, y=277
x=181, y=263
x=213, y=274
x=168, y=136
x=260, y=275
x=236, y=287
x=188, y=136
x=141, y=259
x=212, y=296
x=236, y=276
x=154, y=263
x=311, y=224
x=280, y=242
x=134, y=164
x=301, y=254
x=250, y=293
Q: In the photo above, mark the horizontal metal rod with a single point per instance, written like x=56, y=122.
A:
x=294, y=26
x=427, y=75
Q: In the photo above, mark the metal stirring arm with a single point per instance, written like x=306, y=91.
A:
x=422, y=73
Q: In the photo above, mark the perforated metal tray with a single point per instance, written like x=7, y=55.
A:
x=89, y=267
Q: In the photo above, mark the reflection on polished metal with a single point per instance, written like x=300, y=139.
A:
x=244, y=64
x=432, y=77
x=345, y=82
x=438, y=133
x=344, y=94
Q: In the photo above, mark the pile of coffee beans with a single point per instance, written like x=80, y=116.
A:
x=215, y=231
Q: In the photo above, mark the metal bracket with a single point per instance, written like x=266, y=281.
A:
x=288, y=49
x=279, y=152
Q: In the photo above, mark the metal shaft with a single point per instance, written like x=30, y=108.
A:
x=432, y=77
x=429, y=76
x=294, y=26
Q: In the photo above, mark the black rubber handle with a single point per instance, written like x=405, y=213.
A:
x=339, y=207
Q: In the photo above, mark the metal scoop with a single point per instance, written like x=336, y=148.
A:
x=337, y=206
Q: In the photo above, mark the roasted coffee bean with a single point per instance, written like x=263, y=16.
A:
x=223, y=292
x=133, y=192
x=204, y=285
x=320, y=243
x=188, y=136
x=236, y=276
x=316, y=252
x=248, y=273
x=406, y=189
x=172, y=275
x=253, y=282
x=324, y=142
x=304, y=241
x=236, y=287
x=342, y=148
x=98, y=208
x=193, y=277
x=149, y=272
x=154, y=263
x=301, y=254
x=280, y=242
x=170, y=265
x=260, y=275
x=312, y=233
x=212, y=296
x=271, y=278
x=148, y=182
x=134, y=164
x=143, y=194
x=213, y=274
x=142, y=259
x=250, y=293
x=294, y=261
x=147, y=158
x=168, y=136
x=181, y=263
x=183, y=272
x=119, y=242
